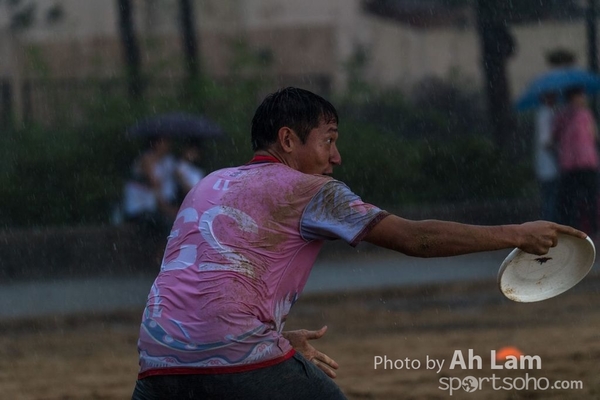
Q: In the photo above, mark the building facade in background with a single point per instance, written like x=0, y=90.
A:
x=308, y=42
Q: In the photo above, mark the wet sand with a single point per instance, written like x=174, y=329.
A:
x=94, y=356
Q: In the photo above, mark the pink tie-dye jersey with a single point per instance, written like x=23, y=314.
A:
x=239, y=255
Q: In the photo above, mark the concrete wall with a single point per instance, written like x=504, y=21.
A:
x=535, y=40
x=307, y=37
x=401, y=55
x=75, y=252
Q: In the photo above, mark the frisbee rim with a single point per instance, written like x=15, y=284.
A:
x=517, y=295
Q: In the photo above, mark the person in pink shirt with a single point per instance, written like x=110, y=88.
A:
x=242, y=248
x=575, y=137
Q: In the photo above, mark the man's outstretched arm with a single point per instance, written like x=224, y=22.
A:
x=433, y=238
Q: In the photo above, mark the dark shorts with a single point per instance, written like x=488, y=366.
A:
x=295, y=378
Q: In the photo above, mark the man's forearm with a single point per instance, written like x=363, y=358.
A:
x=433, y=238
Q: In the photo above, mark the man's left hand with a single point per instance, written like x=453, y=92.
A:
x=299, y=341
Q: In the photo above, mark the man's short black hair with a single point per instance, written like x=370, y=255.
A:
x=298, y=109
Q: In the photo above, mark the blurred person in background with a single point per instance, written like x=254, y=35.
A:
x=575, y=137
x=545, y=165
x=187, y=171
x=149, y=195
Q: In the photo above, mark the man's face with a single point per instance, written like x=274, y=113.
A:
x=319, y=154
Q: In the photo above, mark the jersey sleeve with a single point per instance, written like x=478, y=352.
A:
x=335, y=212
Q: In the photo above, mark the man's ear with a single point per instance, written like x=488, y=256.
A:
x=287, y=139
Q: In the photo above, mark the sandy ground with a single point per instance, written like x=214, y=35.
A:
x=94, y=356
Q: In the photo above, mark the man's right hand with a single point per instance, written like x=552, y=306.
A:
x=539, y=236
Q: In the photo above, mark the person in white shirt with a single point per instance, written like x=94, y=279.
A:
x=187, y=171
x=149, y=197
x=546, y=167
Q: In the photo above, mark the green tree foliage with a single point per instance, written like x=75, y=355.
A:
x=430, y=146
x=395, y=151
x=433, y=148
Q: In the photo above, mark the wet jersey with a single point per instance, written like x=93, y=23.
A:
x=238, y=256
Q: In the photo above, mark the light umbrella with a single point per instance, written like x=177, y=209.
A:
x=177, y=125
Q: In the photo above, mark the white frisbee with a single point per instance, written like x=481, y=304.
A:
x=525, y=277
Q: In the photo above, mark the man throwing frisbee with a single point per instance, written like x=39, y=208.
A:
x=242, y=248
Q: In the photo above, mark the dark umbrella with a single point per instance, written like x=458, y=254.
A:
x=557, y=81
x=176, y=125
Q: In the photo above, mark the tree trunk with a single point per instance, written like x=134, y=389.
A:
x=497, y=45
x=130, y=48
x=592, y=37
x=188, y=37
x=16, y=82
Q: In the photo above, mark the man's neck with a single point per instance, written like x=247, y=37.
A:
x=274, y=154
